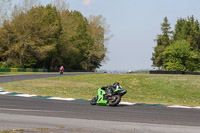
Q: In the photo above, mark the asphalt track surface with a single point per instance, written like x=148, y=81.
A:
x=80, y=116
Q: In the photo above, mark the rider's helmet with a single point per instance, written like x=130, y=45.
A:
x=117, y=85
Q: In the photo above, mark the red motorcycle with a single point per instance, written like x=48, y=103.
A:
x=61, y=70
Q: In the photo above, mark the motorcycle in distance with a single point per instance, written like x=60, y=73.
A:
x=61, y=70
x=112, y=99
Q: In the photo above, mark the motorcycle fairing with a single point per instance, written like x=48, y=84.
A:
x=101, y=98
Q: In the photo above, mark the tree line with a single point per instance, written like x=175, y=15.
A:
x=178, y=49
x=37, y=36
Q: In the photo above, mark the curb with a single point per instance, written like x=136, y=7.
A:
x=83, y=100
x=34, y=96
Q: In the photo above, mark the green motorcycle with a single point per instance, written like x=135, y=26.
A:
x=109, y=95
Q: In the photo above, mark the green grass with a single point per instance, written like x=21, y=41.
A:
x=145, y=88
x=23, y=130
x=6, y=131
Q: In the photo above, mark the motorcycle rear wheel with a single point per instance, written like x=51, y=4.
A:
x=115, y=100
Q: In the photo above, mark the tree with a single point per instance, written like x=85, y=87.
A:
x=51, y=36
x=61, y=5
x=180, y=56
x=4, y=7
x=188, y=29
x=24, y=7
x=34, y=36
x=181, y=51
x=75, y=41
x=99, y=31
x=163, y=40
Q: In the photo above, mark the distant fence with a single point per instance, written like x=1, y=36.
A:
x=173, y=72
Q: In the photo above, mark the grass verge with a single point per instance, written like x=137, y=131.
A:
x=7, y=131
x=24, y=130
x=20, y=73
x=146, y=88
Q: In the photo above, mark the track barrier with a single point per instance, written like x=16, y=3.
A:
x=173, y=72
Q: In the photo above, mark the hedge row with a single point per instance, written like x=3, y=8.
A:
x=26, y=70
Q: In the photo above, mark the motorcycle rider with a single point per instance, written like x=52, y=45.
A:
x=62, y=69
x=109, y=95
x=110, y=89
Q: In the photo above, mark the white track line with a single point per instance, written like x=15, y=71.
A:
x=4, y=93
x=126, y=103
x=65, y=99
x=179, y=106
x=198, y=107
x=25, y=95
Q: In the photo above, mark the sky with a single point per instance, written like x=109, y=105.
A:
x=134, y=25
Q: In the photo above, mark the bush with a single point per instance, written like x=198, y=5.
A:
x=3, y=64
x=179, y=56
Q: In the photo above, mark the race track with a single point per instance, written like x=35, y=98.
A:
x=80, y=116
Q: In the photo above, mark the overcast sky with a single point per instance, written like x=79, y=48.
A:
x=134, y=25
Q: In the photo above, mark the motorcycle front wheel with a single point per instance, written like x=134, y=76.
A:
x=114, y=101
x=94, y=101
